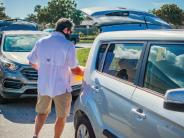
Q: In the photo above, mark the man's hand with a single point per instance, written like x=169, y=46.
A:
x=78, y=71
x=35, y=66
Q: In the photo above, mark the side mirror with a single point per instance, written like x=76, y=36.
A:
x=174, y=100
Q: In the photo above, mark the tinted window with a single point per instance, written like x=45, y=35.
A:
x=165, y=67
x=121, y=60
x=100, y=56
x=118, y=13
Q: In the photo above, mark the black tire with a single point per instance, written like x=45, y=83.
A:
x=3, y=100
x=84, y=121
x=74, y=41
x=74, y=98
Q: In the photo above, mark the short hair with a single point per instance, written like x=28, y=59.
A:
x=63, y=23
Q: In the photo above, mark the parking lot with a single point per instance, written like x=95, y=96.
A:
x=17, y=120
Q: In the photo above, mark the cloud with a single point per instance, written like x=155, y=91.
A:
x=157, y=4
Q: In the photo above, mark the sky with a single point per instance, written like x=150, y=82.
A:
x=21, y=8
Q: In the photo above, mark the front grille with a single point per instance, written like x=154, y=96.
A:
x=30, y=73
x=76, y=87
x=12, y=84
x=31, y=91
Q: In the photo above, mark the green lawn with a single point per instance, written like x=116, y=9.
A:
x=82, y=55
x=86, y=41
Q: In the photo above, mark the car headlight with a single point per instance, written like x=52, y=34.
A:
x=8, y=65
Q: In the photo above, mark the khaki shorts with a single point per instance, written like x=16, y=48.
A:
x=62, y=104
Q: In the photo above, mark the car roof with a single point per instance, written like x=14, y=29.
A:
x=93, y=11
x=23, y=32
x=143, y=35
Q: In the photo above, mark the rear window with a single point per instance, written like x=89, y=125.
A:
x=118, y=13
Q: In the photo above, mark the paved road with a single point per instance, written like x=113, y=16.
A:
x=17, y=120
x=84, y=45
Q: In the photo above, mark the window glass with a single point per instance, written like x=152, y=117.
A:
x=21, y=43
x=165, y=67
x=121, y=60
x=100, y=56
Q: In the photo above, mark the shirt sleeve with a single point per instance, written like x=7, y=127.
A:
x=33, y=56
x=72, y=62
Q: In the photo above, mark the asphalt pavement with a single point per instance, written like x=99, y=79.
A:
x=17, y=120
x=84, y=45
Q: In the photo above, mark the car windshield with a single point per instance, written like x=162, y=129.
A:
x=21, y=42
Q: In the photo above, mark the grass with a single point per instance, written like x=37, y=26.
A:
x=82, y=55
x=86, y=41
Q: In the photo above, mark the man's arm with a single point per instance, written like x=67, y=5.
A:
x=32, y=57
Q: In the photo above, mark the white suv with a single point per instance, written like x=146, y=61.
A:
x=133, y=86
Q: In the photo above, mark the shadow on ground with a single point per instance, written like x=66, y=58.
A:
x=23, y=111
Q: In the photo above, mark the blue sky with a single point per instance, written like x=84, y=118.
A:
x=21, y=8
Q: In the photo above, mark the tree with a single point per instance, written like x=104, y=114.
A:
x=31, y=17
x=77, y=17
x=170, y=13
x=2, y=11
x=57, y=9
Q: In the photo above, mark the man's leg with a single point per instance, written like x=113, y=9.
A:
x=43, y=108
x=39, y=121
x=62, y=106
x=59, y=126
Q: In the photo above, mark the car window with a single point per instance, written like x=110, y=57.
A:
x=121, y=60
x=100, y=56
x=21, y=43
x=165, y=67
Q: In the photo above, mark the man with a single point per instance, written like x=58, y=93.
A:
x=54, y=58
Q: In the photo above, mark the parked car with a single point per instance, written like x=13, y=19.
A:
x=74, y=37
x=17, y=24
x=117, y=19
x=133, y=86
x=18, y=79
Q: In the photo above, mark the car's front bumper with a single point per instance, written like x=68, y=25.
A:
x=24, y=83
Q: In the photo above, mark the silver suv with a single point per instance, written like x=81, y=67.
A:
x=133, y=86
x=18, y=78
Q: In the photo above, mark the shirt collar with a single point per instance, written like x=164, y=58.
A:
x=58, y=34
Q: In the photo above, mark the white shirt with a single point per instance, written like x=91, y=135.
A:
x=55, y=55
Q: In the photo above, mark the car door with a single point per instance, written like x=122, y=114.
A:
x=113, y=90
x=162, y=69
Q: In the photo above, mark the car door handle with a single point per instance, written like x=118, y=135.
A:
x=139, y=113
x=96, y=88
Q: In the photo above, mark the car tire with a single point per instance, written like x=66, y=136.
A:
x=74, y=41
x=74, y=98
x=3, y=100
x=83, y=124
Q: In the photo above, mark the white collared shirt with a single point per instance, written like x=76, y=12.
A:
x=55, y=55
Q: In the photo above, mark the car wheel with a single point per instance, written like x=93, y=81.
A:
x=2, y=100
x=84, y=128
x=74, y=41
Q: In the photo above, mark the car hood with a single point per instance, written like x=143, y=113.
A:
x=19, y=57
